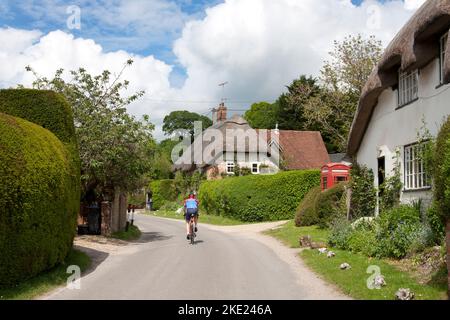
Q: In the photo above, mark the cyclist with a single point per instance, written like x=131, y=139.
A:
x=191, y=208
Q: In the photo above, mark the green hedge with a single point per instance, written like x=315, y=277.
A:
x=258, y=198
x=45, y=108
x=330, y=203
x=321, y=207
x=163, y=191
x=38, y=200
x=306, y=213
x=442, y=172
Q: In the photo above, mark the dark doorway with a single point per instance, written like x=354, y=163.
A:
x=381, y=173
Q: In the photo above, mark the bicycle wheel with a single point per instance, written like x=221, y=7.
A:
x=192, y=233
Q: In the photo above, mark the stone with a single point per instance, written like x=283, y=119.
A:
x=379, y=282
x=345, y=266
x=305, y=242
x=323, y=250
x=331, y=254
x=404, y=294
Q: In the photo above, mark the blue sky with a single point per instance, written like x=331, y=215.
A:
x=49, y=15
x=182, y=50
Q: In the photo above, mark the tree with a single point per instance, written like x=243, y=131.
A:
x=351, y=64
x=183, y=120
x=114, y=146
x=342, y=79
x=291, y=105
x=262, y=115
x=161, y=160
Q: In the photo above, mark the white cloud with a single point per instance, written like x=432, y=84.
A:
x=413, y=4
x=258, y=46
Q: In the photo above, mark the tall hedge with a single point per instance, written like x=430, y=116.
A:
x=38, y=199
x=163, y=191
x=442, y=171
x=258, y=197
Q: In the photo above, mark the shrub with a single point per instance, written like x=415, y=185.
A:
x=163, y=191
x=363, y=200
x=306, y=213
x=441, y=171
x=400, y=230
x=436, y=223
x=39, y=198
x=329, y=203
x=46, y=108
x=340, y=231
x=363, y=239
x=258, y=197
x=170, y=206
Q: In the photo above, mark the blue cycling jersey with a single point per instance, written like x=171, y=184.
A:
x=191, y=204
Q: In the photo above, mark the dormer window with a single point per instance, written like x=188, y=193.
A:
x=442, y=48
x=408, y=88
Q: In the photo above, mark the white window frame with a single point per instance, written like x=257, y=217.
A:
x=408, y=87
x=442, y=47
x=230, y=167
x=415, y=176
x=257, y=168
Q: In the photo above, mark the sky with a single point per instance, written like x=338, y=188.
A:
x=182, y=49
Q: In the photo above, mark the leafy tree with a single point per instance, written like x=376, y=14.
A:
x=351, y=64
x=114, y=146
x=262, y=115
x=183, y=120
x=291, y=105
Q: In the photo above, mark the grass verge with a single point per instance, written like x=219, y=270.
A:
x=204, y=218
x=133, y=233
x=289, y=234
x=353, y=282
x=46, y=281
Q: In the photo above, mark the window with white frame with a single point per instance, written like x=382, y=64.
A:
x=416, y=176
x=255, y=168
x=442, y=48
x=230, y=167
x=408, y=87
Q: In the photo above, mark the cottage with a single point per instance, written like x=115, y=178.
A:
x=229, y=143
x=407, y=91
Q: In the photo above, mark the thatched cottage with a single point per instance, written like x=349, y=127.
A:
x=231, y=142
x=407, y=91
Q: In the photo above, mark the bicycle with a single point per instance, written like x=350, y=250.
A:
x=192, y=234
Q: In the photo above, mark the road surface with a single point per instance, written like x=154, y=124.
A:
x=231, y=263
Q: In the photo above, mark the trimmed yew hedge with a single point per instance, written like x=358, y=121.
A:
x=258, y=197
x=38, y=200
x=163, y=191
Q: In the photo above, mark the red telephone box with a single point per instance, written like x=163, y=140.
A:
x=333, y=173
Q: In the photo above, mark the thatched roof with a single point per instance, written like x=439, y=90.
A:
x=416, y=45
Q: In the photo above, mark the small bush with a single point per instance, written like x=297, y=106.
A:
x=258, y=197
x=306, y=213
x=436, y=223
x=330, y=203
x=163, y=191
x=363, y=239
x=340, y=232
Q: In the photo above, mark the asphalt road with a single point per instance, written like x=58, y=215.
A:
x=222, y=265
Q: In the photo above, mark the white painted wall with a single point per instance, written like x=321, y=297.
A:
x=390, y=128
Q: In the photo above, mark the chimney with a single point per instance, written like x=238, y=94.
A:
x=222, y=112
x=214, y=115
